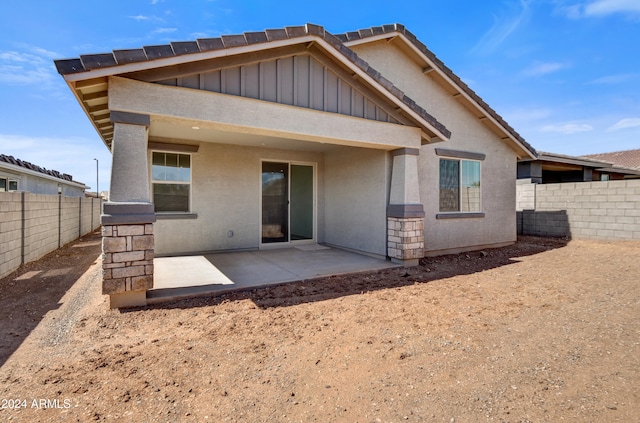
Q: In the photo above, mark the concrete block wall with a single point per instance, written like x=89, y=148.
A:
x=46, y=221
x=41, y=231
x=607, y=210
x=525, y=195
x=10, y=231
x=70, y=208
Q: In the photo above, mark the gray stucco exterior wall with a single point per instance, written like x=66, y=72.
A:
x=496, y=224
x=351, y=199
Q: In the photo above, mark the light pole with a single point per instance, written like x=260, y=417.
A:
x=97, y=187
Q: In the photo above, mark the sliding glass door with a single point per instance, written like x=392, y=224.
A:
x=287, y=202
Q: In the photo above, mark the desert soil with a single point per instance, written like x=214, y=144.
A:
x=543, y=331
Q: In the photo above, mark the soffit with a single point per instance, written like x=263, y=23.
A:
x=87, y=75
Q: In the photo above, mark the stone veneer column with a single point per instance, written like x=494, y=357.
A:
x=127, y=258
x=405, y=239
x=405, y=213
x=127, y=218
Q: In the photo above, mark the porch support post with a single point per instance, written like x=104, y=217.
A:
x=405, y=212
x=128, y=216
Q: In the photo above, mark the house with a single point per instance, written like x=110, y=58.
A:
x=364, y=141
x=629, y=159
x=20, y=175
x=550, y=168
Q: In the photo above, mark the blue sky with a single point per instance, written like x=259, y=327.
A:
x=564, y=73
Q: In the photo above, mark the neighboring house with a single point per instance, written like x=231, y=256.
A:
x=364, y=141
x=19, y=175
x=628, y=158
x=551, y=168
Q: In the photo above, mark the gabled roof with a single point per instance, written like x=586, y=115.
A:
x=87, y=74
x=395, y=30
x=626, y=158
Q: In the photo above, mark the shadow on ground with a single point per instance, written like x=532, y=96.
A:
x=36, y=288
x=326, y=288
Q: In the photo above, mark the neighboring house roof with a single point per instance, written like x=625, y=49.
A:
x=574, y=160
x=584, y=161
x=627, y=158
x=24, y=165
x=435, y=64
x=87, y=74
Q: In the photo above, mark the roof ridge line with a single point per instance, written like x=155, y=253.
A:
x=116, y=58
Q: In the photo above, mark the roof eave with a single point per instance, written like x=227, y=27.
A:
x=525, y=150
x=433, y=130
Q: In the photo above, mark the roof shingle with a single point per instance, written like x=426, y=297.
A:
x=27, y=165
x=627, y=158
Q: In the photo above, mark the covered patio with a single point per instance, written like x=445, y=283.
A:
x=286, y=140
x=217, y=273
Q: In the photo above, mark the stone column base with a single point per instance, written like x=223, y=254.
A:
x=127, y=263
x=405, y=240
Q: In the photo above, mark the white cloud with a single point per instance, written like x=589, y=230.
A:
x=625, y=124
x=140, y=18
x=502, y=28
x=539, y=69
x=600, y=8
x=567, y=128
x=608, y=7
x=31, y=67
x=615, y=79
x=198, y=35
x=164, y=30
x=147, y=18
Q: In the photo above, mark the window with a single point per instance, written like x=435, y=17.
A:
x=171, y=181
x=459, y=185
x=8, y=185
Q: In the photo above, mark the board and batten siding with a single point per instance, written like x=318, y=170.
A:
x=298, y=80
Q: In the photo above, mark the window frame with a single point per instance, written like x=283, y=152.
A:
x=7, y=184
x=460, y=156
x=152, y=182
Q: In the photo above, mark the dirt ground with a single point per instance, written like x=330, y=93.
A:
x=543, y=331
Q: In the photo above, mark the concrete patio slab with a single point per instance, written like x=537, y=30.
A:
x=181, y=277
